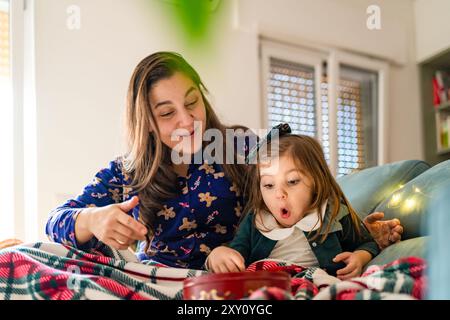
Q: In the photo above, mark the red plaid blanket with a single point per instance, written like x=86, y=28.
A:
x=53, y=271
x=401, y=279
x=46, y=271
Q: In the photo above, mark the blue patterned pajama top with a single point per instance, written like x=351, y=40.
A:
x=204, y=216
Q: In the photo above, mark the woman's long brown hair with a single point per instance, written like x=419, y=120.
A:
x=148, y=161
x=309, y=159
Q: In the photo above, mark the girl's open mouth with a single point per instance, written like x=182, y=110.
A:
x=285, y=213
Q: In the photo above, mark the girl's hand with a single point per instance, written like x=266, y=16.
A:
x=355, y=262
x=224, y=259
x=111, y=225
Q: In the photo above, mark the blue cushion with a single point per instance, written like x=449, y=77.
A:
x=413, y=202
x=412, y=247
x=366, y=189
x=438, y=253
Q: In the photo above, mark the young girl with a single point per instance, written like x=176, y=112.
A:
x=300, y=216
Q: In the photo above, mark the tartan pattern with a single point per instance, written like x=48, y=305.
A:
x=50, y=271
x=401, y=279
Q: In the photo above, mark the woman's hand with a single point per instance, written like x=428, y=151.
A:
x=224, y=259
x=110, y=224
x=384, y=233
x=355, y=262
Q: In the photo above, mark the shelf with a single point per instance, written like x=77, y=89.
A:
x=443, y=151
x=434, y=116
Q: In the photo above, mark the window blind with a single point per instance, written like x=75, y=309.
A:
x=291, y=99
x=291, y=96
x=349, y=126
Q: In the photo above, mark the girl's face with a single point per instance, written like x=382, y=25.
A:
x=176, y=104
x=285, y=190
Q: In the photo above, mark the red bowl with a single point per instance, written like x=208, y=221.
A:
x=233, y=285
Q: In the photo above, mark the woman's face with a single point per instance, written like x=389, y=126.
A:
x=179, y=111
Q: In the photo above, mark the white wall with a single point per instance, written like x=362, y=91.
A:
x=432, y=27
x=82, y=76
x=342, y=24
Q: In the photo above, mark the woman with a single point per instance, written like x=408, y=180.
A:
x=180, y=211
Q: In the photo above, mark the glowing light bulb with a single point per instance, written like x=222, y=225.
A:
x=410, y=204
x=417, y=190
x=395, y=199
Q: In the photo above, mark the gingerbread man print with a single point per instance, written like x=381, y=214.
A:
x=220, y=229
x=219, y=175
x=188, y=225
x=115, y=194
x=206, y=197
x=168, y=213
x=208, y=169
x=235, y=189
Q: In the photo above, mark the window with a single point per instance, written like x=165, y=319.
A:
x=357, y=119
x=4, y=40
x=18, y=216
x=297, y=90
x=6, y=127
x=291, y=96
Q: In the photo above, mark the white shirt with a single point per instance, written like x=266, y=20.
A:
x=292, y=245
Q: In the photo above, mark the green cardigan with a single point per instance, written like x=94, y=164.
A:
x=254, y=246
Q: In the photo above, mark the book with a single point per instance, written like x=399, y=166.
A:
x=444, y=134
x=448, y=133
x=436, y=93
x=441, y=87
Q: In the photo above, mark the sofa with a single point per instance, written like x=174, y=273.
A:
x=411, y=191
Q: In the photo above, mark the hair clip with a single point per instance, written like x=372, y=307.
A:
x=280, y=130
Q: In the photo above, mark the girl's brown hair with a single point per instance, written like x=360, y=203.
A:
x=309, y=159
x=148, y=161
